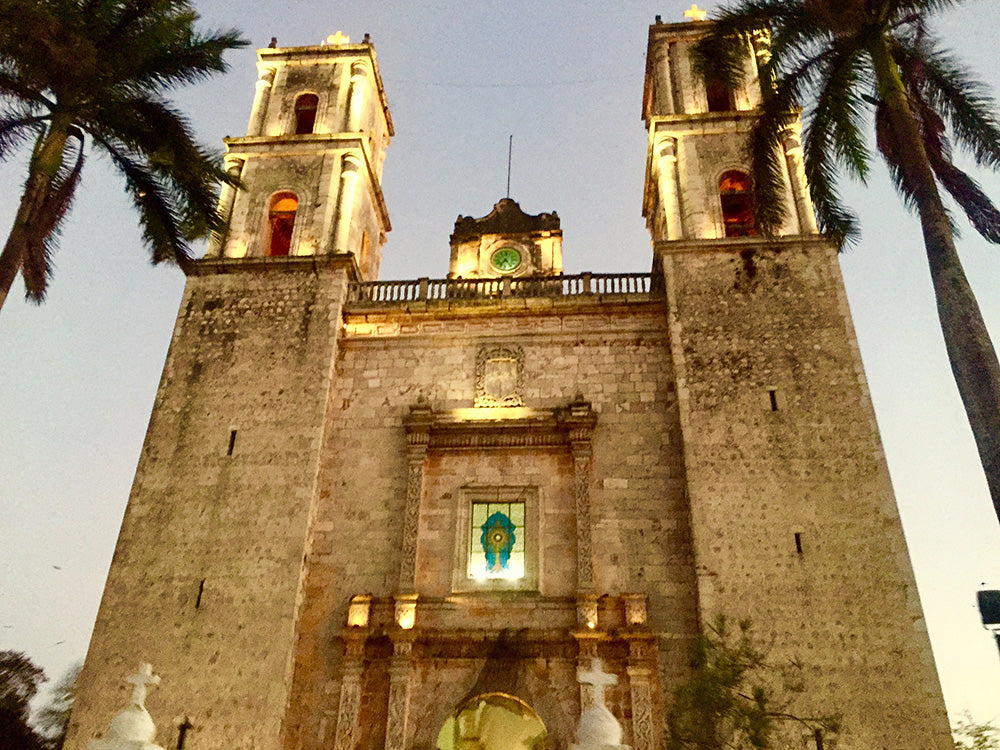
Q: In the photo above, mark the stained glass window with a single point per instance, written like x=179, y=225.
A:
x=497, y=540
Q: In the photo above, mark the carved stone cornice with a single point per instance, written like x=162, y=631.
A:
x=289, y=263
x=502, y=427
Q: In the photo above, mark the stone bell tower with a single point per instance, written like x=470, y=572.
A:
x=793, y=520
x=206, y=581
x=311, y=161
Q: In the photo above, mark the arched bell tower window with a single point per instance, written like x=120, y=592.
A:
x=737, y=204
x=281, y=221
x=719, y=95
x=305, y=113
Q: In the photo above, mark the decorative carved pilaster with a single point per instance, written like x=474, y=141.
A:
x=581, y=490
x=643, y=733
x=640, y=677
x=349, y=708
x=580, y=420
x=399, y=696
x=418, y=423
x=584, y=661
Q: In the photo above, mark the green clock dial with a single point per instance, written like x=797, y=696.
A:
x=506, y=259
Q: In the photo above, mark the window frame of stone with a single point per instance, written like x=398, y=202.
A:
x=269, y=222
x=296, y=118
x=715, y=86
x=463, y=580
x=740, y=229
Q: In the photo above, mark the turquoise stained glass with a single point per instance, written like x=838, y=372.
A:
x=496, y=540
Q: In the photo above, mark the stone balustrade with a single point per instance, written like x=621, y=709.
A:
x=584, y=284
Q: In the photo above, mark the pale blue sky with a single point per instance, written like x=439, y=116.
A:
x=78, y=375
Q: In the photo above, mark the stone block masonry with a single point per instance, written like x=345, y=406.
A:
x=205, y=581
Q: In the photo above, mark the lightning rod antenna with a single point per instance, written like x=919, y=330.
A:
x=510, y=148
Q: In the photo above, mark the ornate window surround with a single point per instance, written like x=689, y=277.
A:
x=570, y=427
x=462, y=578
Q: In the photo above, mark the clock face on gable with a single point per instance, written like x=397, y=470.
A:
x=506, y=259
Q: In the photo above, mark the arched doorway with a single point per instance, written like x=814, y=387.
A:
x=493, y=721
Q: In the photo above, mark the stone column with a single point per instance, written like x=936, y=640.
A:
x=399, y=695
x=666, y=166
x=418, y=423
x=227, y=196
x=791, y=140
x=349, y=174
x=349, y=709
x=665, y=88
x=262, y=94
x=356, y=97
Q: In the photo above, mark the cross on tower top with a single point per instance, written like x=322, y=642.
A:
x=695, y=13
x=597, y=678
x=139, y=681
x=338, y=39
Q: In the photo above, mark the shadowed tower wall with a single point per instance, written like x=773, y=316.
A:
x=794, y=522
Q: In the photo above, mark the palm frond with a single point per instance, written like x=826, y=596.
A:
x=722, y=53
x=832, y=138
x=43, y=233
x=160, y=138
x=159, y=215
x=198, y=59
x=16, y=127
x=921, y=7
x=977, y=206
x=951, y=90
x=13, y=87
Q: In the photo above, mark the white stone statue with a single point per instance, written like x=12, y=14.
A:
x=599, y=729
x=133, y=727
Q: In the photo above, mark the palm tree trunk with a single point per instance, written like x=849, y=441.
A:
x=973, y=359
x=44, y=167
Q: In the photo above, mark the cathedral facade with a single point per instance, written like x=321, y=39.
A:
x=408, y=514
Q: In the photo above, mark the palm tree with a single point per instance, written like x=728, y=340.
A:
x=100, y=68
x=854, y=61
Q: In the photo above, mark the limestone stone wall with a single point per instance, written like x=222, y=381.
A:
x=616, y=357
x=793, y=516
x=206, y=574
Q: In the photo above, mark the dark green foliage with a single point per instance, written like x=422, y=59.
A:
x=19, y=681
x=820, y=53
x=735, y=698
x=52, y=719
x=70, y=69
x=970, y=735
x=852, y=62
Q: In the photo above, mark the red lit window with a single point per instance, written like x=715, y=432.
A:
x=305, y=113
x=737, y=204
x=281, y=221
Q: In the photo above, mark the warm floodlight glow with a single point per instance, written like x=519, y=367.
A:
x=406, y=611
x=358, y=611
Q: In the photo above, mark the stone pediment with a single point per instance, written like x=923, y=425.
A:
x=505, y=218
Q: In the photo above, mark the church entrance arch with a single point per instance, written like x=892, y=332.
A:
x=493, y=721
